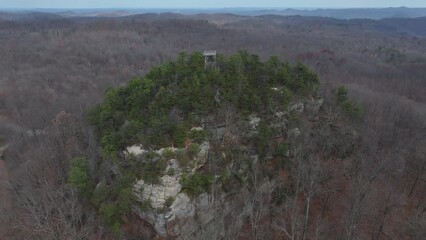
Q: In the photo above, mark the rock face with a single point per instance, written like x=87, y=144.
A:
x=217, y=133
x=182, y=210
x=254, y=122
x=177, y=220
x=215, y=214
x=212, y=215
x=157, y=194
x=297, y=107
x=135, y=150
x=170, y=211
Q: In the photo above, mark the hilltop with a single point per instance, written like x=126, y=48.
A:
x=189, y=147
x=347, y=13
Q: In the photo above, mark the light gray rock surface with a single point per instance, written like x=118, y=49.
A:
x=297, y=107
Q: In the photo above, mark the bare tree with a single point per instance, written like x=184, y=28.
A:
x=256, y=196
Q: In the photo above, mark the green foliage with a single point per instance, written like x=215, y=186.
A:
x=145, y=205
x=100, y=194
x=169, y=201
x=342, y=95
x=150, y=170
x=193, y=150
x=169, y=154
x=226, y=179
x=182, y=157
x=179, y=135
x=303, y=81
x=281, y=150
x=280, y=194
x=125, y=200
x=262, y=139
x=150, y=110
x=171, y=172
x=159, y=109
x=281, y=153
x=116, y=230
x=349, y=108
x=287, y=96
x=108, y=214
x=198, y=136
x=79, y=176
x=196, y=184
x=114, y=202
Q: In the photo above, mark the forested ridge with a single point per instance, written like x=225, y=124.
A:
x=140, y=112
x=161, y=109
x=109, y=126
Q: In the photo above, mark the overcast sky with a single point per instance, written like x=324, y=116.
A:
x=207, y=3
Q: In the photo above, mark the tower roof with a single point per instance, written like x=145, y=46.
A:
x=209, y=53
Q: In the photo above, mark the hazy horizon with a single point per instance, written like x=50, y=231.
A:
x=203, y=4
x=195, y=8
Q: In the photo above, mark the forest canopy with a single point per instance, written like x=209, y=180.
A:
x=157, y=110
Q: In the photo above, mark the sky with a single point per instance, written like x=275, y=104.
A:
x=209, y=3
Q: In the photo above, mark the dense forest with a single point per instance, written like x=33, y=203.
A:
x=93, y=110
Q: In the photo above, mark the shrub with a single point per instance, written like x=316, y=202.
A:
x=280, y=194
x=79, y=176
x=198, y=136
x=182, y=157
x=153, y=170
x=349, y=108
x=196, y=184
x=115, y=229
x=281, y=150
x=125, y=200
x=262, y=139
x=100, y=194
x=193, y=150
x=169, y=201
x=342, y=95
x=171, y=172
x=168, y=154
x=145, y=205
x=287, y=95
x=280, y=153
x=179, y=136
x=108, y=214
x=226, y=180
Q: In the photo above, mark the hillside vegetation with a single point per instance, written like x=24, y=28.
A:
x=252, y=149
x=180, y=107
x=158, y=109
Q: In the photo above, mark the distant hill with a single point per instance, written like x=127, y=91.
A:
x=406, y=25
x=18, y=16
x=249, y=152
x=412, y=26
x=349, y=13
x=352, y=13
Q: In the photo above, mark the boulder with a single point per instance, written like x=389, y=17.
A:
x=297, y=107
x=157, y=194
x=135, y=150
x=254, y=122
